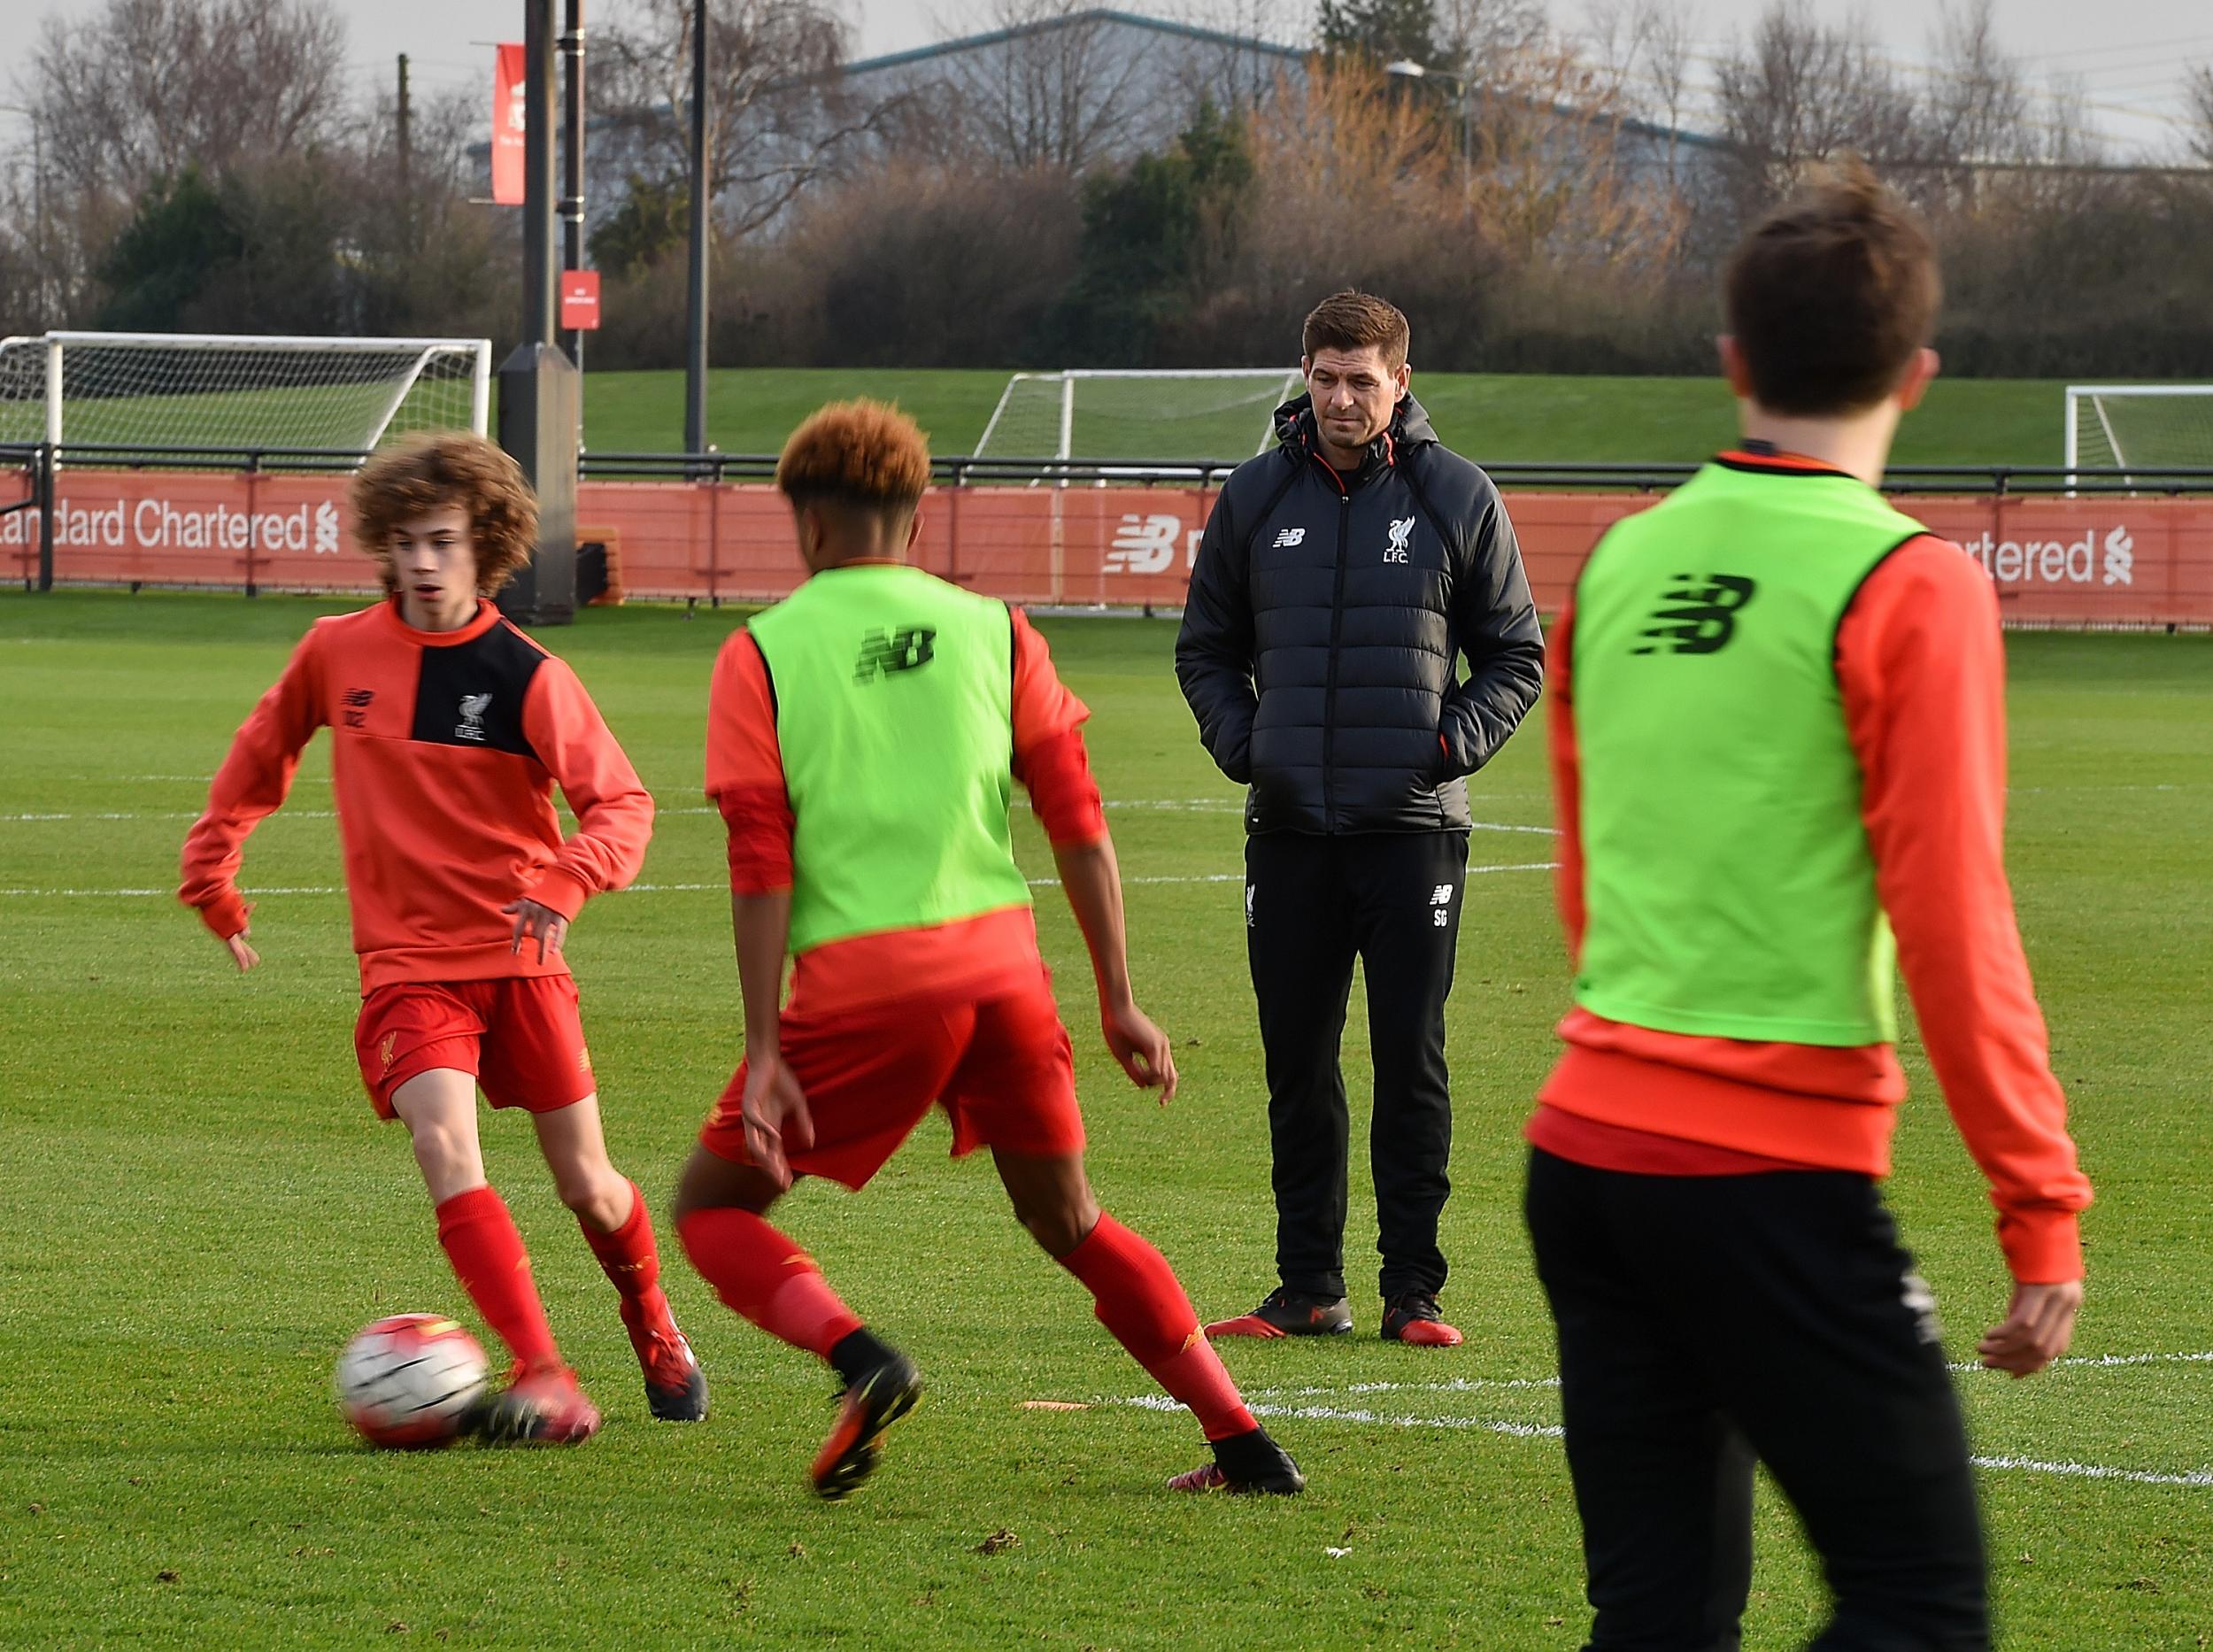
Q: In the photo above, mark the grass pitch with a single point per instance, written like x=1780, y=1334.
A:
x=1492, y=417
x=201, y=1209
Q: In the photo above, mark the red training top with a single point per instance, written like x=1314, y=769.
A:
x=445, y=747
x=969, y=958
x=1920, y=664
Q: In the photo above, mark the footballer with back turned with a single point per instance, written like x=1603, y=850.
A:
x=863, y=740
x=1778, y=741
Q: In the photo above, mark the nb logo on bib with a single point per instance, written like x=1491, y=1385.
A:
x=1697, y=615
x=887, y=652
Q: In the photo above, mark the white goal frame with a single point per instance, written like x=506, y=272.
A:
x=1068, y=379
x=479, y=350
x=2078, y=394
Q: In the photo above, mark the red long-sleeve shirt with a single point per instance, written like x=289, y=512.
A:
x=1921, y=668
x=445, y=749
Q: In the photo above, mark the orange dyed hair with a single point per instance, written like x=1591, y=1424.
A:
x=450, y=470
x=863, y=455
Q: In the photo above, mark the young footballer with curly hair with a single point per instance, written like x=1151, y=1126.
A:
x=449, y=729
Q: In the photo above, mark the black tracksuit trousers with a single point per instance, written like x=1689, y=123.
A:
x=1311, y=905
x=1706, y=1322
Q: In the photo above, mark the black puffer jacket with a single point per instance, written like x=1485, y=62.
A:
x=1326, y=618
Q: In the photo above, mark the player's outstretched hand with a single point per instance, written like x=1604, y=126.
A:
x=2040, y=1323
x=549, y=927
x=241, y=953
x=1141, y=1048
x=775, y=1113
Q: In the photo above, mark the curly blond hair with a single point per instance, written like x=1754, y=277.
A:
x=447, y=470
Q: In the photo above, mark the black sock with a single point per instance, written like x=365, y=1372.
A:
x=857, y=1353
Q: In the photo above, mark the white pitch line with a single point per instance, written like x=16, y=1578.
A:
x=2095, y=1471
x=2064, y=1468
x=646, y=889
x=1195, y=805
x=2105, y=1362
x=166, y=814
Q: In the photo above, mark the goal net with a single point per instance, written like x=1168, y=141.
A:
x=2139, y=427
x=1172, y=417
x=181, y=390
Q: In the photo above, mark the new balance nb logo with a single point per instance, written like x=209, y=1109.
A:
x=887, y=652
x=1401, y=536
x=1702, y=617
x=1441, y=906
x=471, y=724
x=1291, y=536
x=357, y=706
x=1442, y=896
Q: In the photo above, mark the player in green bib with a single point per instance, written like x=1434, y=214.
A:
x=1778, y=731
x=864, y=740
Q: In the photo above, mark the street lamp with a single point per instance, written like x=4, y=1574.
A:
x=1408, y=69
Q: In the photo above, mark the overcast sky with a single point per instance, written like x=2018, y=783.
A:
x=2129, y=57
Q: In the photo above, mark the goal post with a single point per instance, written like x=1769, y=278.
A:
x=1170, y=415
x=236, y=391
x=2139, y=428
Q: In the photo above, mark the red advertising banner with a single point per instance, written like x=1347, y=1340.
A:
x=2111, y=560
x=579, y=299
x=509, y=123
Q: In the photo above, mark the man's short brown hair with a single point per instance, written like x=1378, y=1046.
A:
x=449, y=470
x=1352, y=320
x=1831, y=294
x=863, y=455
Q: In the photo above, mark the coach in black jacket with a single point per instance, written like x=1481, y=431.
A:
x=1340, y=580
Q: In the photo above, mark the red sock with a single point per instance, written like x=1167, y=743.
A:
x=632, y=1263
x=1139, y=1301
x=481, y=1241
x=760, y=1274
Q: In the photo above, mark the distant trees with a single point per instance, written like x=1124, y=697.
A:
x=1090, y=191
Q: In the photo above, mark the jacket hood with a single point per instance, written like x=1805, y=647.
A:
x=1410, y=428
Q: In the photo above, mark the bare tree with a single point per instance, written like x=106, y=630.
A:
x=1797, y=90
x=148, y=86
x=778, y=118
x=2198, y=93
x=1482, y=39
x=1061, y=87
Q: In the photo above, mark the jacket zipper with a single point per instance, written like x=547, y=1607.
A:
x=1336, y=628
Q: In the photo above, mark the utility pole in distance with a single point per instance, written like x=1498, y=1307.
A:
x=696, y=339
x=539, y=395
x=406, y=165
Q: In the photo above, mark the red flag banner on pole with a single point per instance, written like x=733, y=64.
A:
x=509, y=77
x=580, y=300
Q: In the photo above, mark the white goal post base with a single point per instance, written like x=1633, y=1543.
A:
x=238, y=391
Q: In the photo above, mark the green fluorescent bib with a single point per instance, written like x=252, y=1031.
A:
x=894, y=697
x=1728, y=884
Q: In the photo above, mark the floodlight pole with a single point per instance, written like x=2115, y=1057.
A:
x=696, y=311
x=538, y=389
x=573, y=163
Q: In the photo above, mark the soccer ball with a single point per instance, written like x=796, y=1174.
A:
x=408, y=1381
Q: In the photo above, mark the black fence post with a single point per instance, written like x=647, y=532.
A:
x=44, y=488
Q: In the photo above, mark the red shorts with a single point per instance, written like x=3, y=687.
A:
x=518, y=1036
x=1002, y=1069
